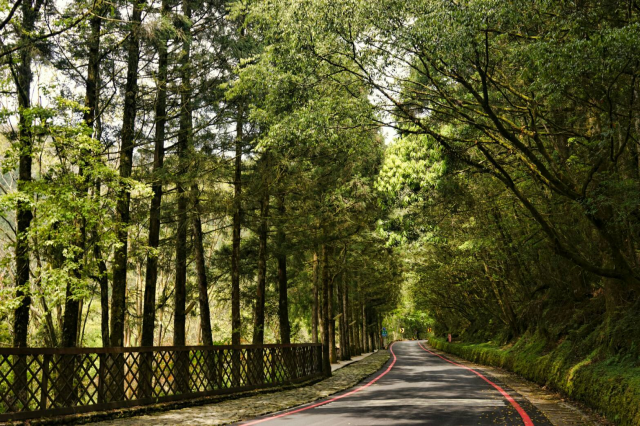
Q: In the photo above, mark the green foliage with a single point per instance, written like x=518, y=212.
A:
x=64, y=203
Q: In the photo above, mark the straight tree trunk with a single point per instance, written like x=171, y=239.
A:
x=236, y=324
x=314, y=307
x=340, y=321
x=72, y=309
x=70, y=319
x=103, y=281
x=258, y=316
x=67, y=393
x=333, y=356
x=326, y=363
x=118, y=297
x=345, y=343
x=203, y=285
x=256, y=358
x=184, y=139
x=283, y=299
x=365, y=342
x=237, y=219
x=356, y=332
x=92, y=94
x=24, y=77
x=354, y=335
x=151, y=275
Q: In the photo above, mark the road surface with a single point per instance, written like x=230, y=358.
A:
x=416, y=387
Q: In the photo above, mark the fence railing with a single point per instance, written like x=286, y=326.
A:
x=50, y=382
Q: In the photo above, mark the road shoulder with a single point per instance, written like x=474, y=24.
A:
x=558, y=410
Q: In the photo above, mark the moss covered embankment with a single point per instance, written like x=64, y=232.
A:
x=609, y=385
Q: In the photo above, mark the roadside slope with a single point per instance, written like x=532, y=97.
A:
x=610, y=386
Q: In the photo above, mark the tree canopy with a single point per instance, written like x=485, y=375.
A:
x=200, y=172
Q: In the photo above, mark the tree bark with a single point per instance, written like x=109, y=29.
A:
x=92, y=98
x=340, y=320
x=365, y=340
x=333, y=356
x=103, y=281
x=258, y=316
x=314, y=307
x=118, y=297
x=72, y=309
x=184, y=140
x=326, y=363
x=345, y=344
x=203, y=285
x=151, y=275
x=283, y=299
x=237, y=219
x=70, y=320
x=92, y=94
x=357, y=329
x=23, y=79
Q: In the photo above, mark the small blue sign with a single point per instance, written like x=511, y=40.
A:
x=384, y=331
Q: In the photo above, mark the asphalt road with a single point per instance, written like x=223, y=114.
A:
x=417, y=387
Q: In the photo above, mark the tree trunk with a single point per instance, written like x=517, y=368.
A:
x=92, y=98
x=103, y=281
x=24, y=77
x=283, y=299
x=356, y=331
x=70, y=320
x=365, y=345
x=183, y=145
x=340, y=321
x=118, y=297
x=326, y=363
x=203, y=285
x=332, y=325
x=345, y=344
x=72, y=309
x=237, y=219
x=151, y=275
x=314, y=307
x=92, y=94
x=258, y=314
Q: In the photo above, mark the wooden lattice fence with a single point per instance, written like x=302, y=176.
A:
x=39, y=382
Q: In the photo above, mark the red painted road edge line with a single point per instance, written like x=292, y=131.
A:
x=318, y=404
x=525, y=417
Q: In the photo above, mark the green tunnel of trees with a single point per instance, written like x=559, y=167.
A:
x=253, y=171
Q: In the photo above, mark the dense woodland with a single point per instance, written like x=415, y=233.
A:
x=259, y=171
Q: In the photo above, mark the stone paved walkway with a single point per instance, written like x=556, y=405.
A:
x=341, y=364
x=232, y=411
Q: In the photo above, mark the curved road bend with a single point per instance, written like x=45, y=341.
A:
x=418, y=388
